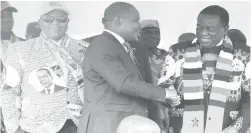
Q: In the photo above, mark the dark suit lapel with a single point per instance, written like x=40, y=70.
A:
x=118, y=44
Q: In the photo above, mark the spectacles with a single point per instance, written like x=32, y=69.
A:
x=60, y=19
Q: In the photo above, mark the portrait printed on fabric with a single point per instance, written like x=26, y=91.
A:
x=47, y=80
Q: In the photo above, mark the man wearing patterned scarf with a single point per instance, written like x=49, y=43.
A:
x=210, y=75
x=34, y=111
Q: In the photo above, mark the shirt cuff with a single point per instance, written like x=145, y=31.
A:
x=169, y=88
x=166, y=93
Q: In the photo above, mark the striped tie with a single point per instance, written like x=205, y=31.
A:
x=130, y=52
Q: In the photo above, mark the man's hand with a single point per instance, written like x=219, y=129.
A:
x=174, y=101
x=230, y=129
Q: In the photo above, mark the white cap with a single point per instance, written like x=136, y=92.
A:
x=53, y=5
x=137, y=124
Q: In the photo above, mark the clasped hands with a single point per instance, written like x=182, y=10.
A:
x=172, y=99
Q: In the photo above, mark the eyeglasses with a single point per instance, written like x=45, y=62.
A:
x=60, y=19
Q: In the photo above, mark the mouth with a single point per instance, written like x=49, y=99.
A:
x=205, y=39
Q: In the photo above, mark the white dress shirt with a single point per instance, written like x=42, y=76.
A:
x=118, y=37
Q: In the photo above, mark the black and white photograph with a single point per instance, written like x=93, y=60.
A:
x=125, y=66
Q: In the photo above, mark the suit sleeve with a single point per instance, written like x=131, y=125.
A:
x=242, y=123
x=108, y=64
x=10, y=97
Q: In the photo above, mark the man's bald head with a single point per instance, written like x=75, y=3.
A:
x=123, y=19
x=119, y=9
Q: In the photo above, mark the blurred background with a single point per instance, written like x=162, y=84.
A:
x=175, y=17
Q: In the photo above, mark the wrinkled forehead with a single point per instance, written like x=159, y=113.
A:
x=208, y=20
x=56, y=13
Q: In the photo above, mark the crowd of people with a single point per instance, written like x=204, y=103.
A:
x=120, y=81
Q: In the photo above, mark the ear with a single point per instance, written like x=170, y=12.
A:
x=226, y=29
x=117, y=21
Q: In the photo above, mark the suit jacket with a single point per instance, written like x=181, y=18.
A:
x=142, y=57
x=56, y=88
x=114, y=87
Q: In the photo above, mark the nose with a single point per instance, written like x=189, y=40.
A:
x=204, y=31
x=55, y=22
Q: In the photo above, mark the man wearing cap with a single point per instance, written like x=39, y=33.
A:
x=7, y=23
x=211, y=77
x=34, y=111
x=114, y=86
x=150, y=38
x=32, y=30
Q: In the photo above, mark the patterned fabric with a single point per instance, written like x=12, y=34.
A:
x=193, y=87
x=35, y=111
x=5, y=43
x=157, y=61
x=68, y=62
x=234, y=103
x=130, y=52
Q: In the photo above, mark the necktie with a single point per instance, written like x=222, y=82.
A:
x=48, y=91
x=130, y=52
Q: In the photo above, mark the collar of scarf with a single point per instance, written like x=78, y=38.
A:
x=65, y=60
x=194, y=94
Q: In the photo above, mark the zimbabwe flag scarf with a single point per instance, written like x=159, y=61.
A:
x=193, y=118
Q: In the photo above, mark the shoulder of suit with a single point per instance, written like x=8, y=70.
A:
x=79, y=43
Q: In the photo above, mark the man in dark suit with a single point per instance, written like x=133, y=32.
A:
x=114, y=87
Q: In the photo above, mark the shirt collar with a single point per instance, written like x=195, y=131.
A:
x=118, y=37
x=58, y=43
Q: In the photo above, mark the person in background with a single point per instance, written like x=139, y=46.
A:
x=32, y=30
x=150, y=39
x=150, y=36
x=242, y=51
x=186, y=37
x=209, y=74
x=137, y=124
x=7, y=37
x=7, y=23
x=237, y=37
x=114, y=86
x=34, y=111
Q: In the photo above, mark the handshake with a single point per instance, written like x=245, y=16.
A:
x=172, y=97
